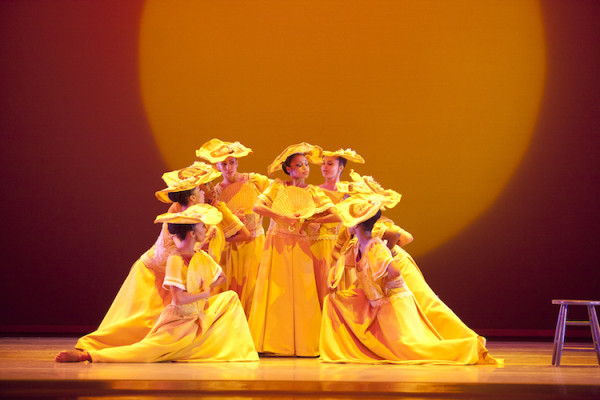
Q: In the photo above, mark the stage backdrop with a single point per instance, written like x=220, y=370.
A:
x=483, y=115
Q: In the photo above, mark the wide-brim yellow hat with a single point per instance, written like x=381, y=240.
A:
x=216, y=150
x=366, y=197
x=204, y=213
x=186, y=178
x=312, y=153
x=348, y=154
x=360, y=184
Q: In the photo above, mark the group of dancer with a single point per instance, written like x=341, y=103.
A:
x=330, y=278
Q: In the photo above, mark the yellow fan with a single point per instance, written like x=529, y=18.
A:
x=239, y=196
x=294, y=201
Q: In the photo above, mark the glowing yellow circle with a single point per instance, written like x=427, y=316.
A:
x=440, y=98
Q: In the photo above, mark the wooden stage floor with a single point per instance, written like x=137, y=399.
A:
x=27, y=371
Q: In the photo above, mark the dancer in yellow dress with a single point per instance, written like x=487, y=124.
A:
x=230, y=229
x=378, y=319
x=194, y=326
x=239, y=259
x=323, y=236
x=286, y=315
x=142, y=297
x=445, y=321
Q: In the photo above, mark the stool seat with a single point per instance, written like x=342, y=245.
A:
x=561, y=324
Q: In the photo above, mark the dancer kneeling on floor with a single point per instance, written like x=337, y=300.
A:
x=194, y=327
x=378, y=319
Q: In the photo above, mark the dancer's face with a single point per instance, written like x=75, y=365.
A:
x=331, y=167
x=228, y=167
x=200, y=231
x=299, y=168
x=197, y=197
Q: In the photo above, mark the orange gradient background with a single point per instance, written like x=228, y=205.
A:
x=440, y=98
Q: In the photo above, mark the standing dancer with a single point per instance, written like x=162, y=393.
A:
x=193, y=327
x=239, y=259
x=142, y=296
x=378, y=319
x=323, y=236
x=286, y=315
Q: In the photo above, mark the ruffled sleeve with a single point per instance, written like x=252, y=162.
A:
x=322, y=201
x=384, y=225
x=230, y=224
x=176, y=271
x=270, y=193
x=378, y=256
x=261, y=182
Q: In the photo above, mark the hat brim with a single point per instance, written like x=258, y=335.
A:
x=216, y=150
x=312, y=153
x=197, y=213
x=355, y=158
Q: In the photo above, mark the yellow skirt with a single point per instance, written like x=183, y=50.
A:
x=286, y=316
x=133, y=311
x=395, y=331
x=220, y=334
x=321, y=250
x=445, y=321
x=240, y=261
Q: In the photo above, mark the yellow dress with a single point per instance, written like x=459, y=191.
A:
x=240, y=260
x=213, y=329
x=285, y=318
x=322, y=242
x=142, y=297
x=445, y=321
x=393, y=330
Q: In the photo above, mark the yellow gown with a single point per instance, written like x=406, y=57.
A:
x=213, y=329
x=445, y=321
x=240, y=260
x=322, y=242
x=142, y=297
x=285, y=318
x=393, y=330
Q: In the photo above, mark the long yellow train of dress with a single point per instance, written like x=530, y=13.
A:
x=240, y=260
x=446, y=322
x=322, y=243
x=285, y=318
x=142, y=297
x=394, y=330
x=210, y=330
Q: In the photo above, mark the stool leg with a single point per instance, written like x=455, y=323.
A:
x=595, y=330
x=559, y=335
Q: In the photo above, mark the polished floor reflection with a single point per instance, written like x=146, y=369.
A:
x=27, y=370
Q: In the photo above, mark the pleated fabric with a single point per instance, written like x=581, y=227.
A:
x=220, y=334
x=213, y=329
x=240, y=260
x=322, y=243
x=142, y=297
x=285, y=317
x=392, y=330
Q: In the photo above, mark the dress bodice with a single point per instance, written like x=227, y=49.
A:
x=191, y=276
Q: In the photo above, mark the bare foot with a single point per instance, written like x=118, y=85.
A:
x=72, y=356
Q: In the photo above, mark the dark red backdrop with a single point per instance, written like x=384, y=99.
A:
x=79, y=166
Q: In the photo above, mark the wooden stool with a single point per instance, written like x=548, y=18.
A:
x=561, y=324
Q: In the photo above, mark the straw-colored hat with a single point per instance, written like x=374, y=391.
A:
x=312, y=153
x=366, y=198
x=204, y=213
x=348, y=154
x=186, y=178
x=216, y=150
x=360, y=184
